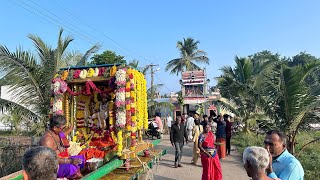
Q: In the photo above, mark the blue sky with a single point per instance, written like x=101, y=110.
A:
x=148, y=30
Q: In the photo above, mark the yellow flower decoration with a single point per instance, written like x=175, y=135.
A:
x=90, y=72
x=120, y=146
x=113, y=71
x=64, y=75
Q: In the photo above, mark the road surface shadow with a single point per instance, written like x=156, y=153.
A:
x=162, y=178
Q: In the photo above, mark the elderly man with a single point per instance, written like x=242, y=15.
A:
x=283, y=165
x=40, y=163
x=255, y=161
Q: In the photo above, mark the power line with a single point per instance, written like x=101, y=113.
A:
x=130, y=52
x=115, y=42
x=73, y=30
x=163, y=84
x=46, y=17
x=70, y=23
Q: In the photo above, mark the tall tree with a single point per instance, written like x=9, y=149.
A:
x=290, y=98
x=190, y=55
x=238, y=86
x=107, y=57
x=28, y=77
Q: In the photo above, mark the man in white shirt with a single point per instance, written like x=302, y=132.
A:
x=189, y=126
x=169, y=122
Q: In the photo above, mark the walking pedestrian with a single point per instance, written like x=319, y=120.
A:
x=177, y=135
x=169, y=122
x=221, y=136
x=209, y=157
x=197, y=130
x=228, y=135
x=189, y=126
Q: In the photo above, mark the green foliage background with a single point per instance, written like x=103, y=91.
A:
x=310, y=158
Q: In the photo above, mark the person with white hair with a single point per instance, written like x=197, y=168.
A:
x=40, y=163
x=256, y=160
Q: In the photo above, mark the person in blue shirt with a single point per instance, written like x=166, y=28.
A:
x=282, y=164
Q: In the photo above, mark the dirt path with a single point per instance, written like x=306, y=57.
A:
x=232, y=167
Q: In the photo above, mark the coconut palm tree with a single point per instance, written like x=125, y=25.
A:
x=239, y=87
x=291, y=98
x=190, y=55
x=28, y=77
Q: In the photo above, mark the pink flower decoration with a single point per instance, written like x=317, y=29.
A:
x=101, y=71
x=59, y=112
x=122, y=90
x=76, y=74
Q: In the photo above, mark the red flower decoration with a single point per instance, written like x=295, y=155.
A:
x=131, y=76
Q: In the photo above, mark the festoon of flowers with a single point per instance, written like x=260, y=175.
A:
x=128, y=101
x=120, y=81
x=59, y=87
x=145, y=103
x=132, y=110
x=120, y=98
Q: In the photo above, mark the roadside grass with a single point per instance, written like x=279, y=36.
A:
x=309, y=157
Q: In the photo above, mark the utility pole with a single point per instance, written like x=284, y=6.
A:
x=152, y=83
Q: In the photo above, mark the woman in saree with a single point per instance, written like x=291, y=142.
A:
x=209, y=157
x=55, y=138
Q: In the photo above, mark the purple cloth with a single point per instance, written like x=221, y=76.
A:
x=69, y=170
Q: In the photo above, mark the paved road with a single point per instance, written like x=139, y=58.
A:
x=232, y=167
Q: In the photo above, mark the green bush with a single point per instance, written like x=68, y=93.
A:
x=242, y=140
x=309, y=157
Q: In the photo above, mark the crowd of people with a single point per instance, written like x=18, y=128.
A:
x=211, y=143
x=211, y=138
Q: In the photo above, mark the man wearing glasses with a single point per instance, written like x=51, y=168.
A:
x=282, y=164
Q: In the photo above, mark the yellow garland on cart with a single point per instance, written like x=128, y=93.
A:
x=144, y=103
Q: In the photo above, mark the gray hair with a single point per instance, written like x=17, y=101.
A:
x=40, y=163
x=257, y=157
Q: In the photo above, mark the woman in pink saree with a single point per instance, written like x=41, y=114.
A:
x=209, y=157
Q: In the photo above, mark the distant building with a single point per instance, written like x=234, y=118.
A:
x=196, y=94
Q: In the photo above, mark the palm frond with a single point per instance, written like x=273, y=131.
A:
x=23, y=64
x=85, y=57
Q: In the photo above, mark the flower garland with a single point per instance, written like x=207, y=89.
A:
x=133, y=111
x=120, y=146
x=144, y=103
x=120, y=98
x=90, y=72
x=120, y=105
x=140, y=101
x=59, y=87
x=128, y=101
x=111, y=117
